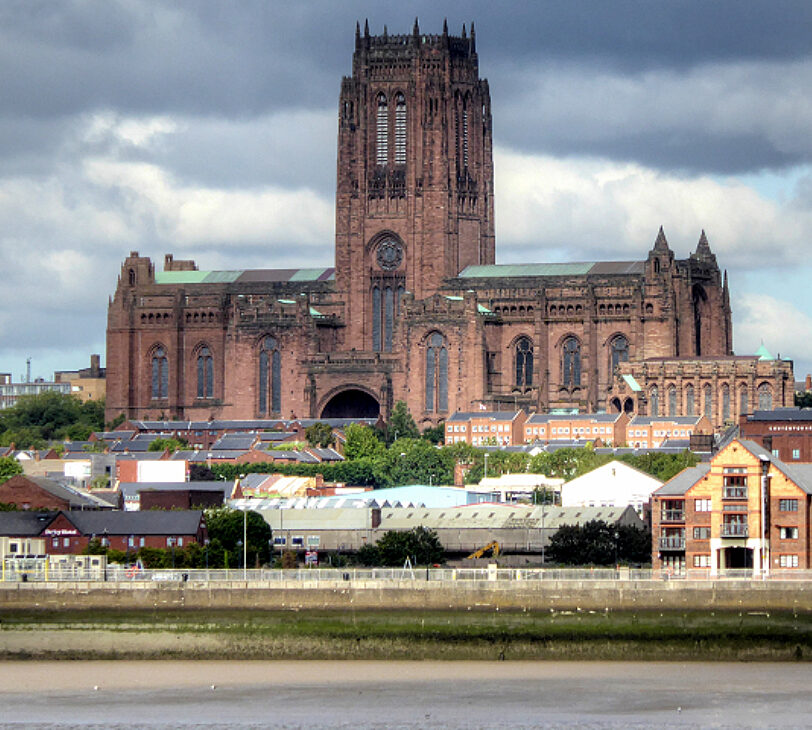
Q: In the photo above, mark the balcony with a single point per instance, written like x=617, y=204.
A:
x=735, y=493
x=672, y=543
x=734, y=529
x=672, y=515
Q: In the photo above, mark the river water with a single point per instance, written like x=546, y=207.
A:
x=370, y=694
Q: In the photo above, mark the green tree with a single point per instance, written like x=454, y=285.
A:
x=320, y=434
x=414, y=461
x=362, y=442
x=173, y=444
x=225, y=525
x=201, y=473
x=401, y=424
x=803, y=400
x=662, y=466
x=50, y=415
x=420, y=545
x=435, y=434
x=598, y=543
x=9, y=466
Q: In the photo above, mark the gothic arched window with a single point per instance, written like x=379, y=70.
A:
x=270, y=377
x=160, y=373
x=725, y=402
x=131, y=277
x=654, y=399
x=382, y=132
x=743, y=400
x=765, y=397
x=689, y=400
x=571, y=362
x=672, y=401
x=707, y=396
x=436, y=374
x=524, y=363
x=619, y=352
x=205, y=373
x=400, y=130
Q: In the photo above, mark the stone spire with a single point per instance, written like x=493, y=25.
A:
x=661, y=245
x=702, y=248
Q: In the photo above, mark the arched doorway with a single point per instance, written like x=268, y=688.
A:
x=351, y=403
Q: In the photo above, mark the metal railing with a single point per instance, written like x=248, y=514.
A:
x=369, y=577
x=734, y=529
x=735, y=493
x=672, y=543
x=672, y=515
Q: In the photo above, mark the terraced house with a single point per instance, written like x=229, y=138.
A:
x=745, y=510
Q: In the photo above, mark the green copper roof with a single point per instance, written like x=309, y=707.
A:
x=310, y=274
x=181, y=277
x=511, y=270
x=632, y=383
x=598, y=268
x=764, y=354
x=253, y=276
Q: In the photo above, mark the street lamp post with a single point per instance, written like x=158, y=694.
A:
x=245, y=543
x=617, y=537
x=486, y=465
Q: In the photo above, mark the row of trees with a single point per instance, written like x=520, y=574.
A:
x=35, y=420
x=370, y=462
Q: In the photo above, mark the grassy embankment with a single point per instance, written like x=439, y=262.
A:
x=668, y=636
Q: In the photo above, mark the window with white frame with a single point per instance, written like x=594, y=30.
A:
x=788, y=533
x=702, y=561
x=788, y=561
x=702, y=505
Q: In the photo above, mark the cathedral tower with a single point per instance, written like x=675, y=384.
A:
x=414, y=198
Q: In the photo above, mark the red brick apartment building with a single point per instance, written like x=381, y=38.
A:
x=713, y=518
x=68, y=533
x=483, y=428
x=644, y=432
x=608, y=428
x=785, y=432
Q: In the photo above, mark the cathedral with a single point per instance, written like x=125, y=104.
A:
x=415, y=307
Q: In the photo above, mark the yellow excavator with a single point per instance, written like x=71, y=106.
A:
x=494, y=547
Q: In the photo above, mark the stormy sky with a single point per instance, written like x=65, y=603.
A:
x=208, y=129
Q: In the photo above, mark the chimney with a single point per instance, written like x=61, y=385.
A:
x=808, y=384
x=95, y=366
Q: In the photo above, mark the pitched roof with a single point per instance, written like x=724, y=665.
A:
x=490, y=415
x=548, y=417
x=782, y=414
x=524, y=271
x=76, y=498
x=151, y=522
x=24, y=524
x=653, y=420
x=683, y=481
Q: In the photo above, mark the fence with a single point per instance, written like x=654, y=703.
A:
x=39, y=572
